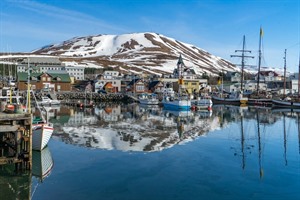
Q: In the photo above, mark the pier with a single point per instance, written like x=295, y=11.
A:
x=16, y=140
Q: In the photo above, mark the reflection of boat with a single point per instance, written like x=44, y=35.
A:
x=148, y=99
x=285, y=103
x=42, y=163
x=178, y=113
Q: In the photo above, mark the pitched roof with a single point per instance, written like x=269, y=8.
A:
x=64, y=77
x=266, y=73
x=133, y=81
x=153, y=84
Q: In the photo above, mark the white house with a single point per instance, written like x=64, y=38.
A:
x=77, y=71
x=266, y=76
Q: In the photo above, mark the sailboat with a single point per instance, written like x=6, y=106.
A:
x=287, y=101
x=178, y=102
x=234, y=98
x=257, y=100
x=41, y=129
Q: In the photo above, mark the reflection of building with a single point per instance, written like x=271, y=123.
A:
x=109, y=113
x=81, y=118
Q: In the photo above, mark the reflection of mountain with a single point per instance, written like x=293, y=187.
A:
x=42, y=163
x=135, y=128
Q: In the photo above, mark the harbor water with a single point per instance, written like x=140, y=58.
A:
x=133, y=152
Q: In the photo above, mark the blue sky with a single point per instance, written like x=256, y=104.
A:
x=216, y=26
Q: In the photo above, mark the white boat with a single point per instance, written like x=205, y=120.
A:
x=41, y=129
x=202, y=103
x=41, y=133
x=148, y=99
x=48, y=101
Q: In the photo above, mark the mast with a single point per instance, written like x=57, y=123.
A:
x=28, y=109
x=259, y=58
x=298, y=131
x=299, y=77
x=243, y=56
x=284, y=74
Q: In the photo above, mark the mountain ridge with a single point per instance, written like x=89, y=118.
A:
x=147, y=52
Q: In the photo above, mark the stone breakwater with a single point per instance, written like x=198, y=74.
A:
x=69, y=96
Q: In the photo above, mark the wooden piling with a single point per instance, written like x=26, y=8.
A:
x=16, y=140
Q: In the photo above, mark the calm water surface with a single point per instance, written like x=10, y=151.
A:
x=136, y=152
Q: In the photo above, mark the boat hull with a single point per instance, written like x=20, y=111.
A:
x=231, y=101
x=149, y=101
x=260, y=102
x=41, y=134
x=288, y=104
x=177, y=104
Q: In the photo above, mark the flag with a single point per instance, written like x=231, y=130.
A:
x=261, y=32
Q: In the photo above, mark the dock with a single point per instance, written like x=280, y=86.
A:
x=16, y=140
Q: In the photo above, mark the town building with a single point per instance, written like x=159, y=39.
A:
x=53, y=81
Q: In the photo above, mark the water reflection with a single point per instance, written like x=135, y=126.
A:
x=14, y=185
x=23, y=184
x=258, y=147
x=132, y=127
x=137, y=127
x=42, y=165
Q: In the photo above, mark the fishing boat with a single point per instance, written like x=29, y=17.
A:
x=232, y=99
x=46, y=101
x=41, y=129
x=41, y=133
x=179, y=101
x=202, y=103
x=148, y=99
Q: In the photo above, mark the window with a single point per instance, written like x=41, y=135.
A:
x=43, y=78
x=49, y=79
x=140, y=88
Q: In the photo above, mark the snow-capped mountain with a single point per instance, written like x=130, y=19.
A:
x=139, y=52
